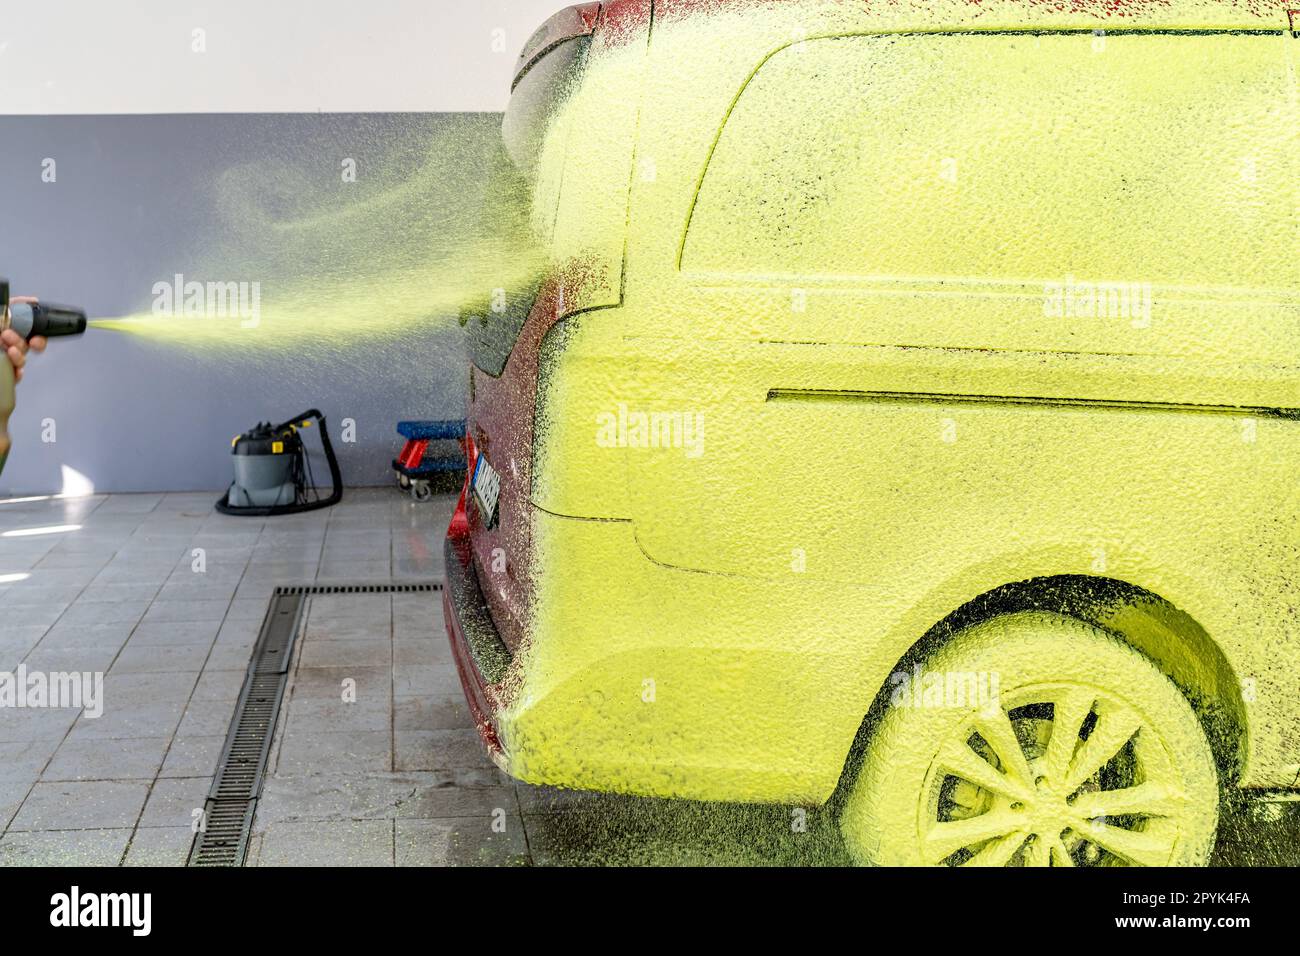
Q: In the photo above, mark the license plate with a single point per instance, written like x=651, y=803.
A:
x=486, y=484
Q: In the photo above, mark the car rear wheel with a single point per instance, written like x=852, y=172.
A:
x=1081, y=752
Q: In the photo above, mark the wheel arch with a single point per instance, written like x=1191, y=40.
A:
x=1168, y=636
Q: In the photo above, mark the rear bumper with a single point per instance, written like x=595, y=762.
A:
x=482, y=660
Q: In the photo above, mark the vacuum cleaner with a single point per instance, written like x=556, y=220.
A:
x=273, y=473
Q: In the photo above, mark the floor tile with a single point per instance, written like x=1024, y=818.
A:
x=207, y=718
x=35, y=724
x=368, y=682
x=16, y=642
x=423, y=712
x=330, y=715
x=70, y=659
x=410, y=680
x=103, y=612
x=319, y=653
x=129, y=719
x=354, y=752
x=109, y=635
x=349, y=843
x=33, y=614
x=193, y=756
x=439, y=750
x=21, y=595
x=13, y=791
x=220, y=685
x=159, y=659
x=157, y=634
x=120, y=592
x=460, y=793
x=144, y=688
x=175, y=802
x=135, y=758
x=89, y=805
x=23, y=758
x=99, y=847
x=164, y=611
x=498, y=841
x=230, y=655
x=246, y=610
x=159, y=846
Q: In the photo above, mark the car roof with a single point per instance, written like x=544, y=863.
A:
x=1210, y=14
x=582, y=19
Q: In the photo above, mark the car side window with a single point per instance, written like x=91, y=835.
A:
x=1168, y=158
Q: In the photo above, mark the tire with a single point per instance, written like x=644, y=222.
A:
x=421, y=490
x=960, y=777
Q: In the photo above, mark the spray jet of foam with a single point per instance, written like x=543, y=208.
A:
x=441, y=221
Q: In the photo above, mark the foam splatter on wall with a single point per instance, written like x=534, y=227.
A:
x=368, y=254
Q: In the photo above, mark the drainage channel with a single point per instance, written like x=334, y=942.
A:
x=232, y=801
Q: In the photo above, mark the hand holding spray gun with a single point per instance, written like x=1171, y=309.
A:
x=26, y=322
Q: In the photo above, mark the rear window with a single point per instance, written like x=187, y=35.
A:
x=1164, y=158
x=524, y=187
x=537, y=102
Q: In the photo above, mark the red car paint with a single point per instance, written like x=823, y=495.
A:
x=483, y=699
x=501, y=424
x=501, y=410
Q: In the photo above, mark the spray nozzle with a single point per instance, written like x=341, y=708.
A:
x=29, y=319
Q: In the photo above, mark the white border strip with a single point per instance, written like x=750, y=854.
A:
x=262, y=56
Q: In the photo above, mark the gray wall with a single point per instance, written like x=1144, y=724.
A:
x=139, y=198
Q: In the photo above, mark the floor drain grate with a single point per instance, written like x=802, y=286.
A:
x=415, y=588
x=228, y=811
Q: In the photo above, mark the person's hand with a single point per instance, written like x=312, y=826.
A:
x=16, y=346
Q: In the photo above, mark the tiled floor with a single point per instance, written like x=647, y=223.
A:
x=166, y=597
x=375, y=760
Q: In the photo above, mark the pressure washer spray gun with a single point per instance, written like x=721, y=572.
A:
x=29, y=319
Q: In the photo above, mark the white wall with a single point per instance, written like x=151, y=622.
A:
x=136, y=56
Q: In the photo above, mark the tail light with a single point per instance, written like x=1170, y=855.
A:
x=458, y=530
